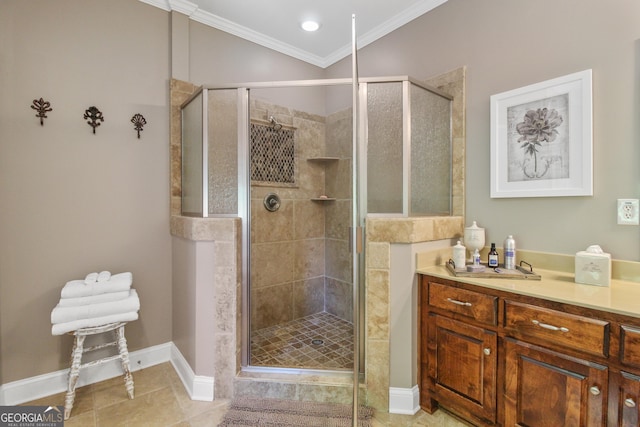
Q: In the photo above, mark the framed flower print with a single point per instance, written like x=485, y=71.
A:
x=541, y=139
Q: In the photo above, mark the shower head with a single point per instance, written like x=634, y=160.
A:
x=274, y=124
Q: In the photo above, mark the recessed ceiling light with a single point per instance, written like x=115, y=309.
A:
x=310, y=26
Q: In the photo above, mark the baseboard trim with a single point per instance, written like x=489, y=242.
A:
x=21, y=391
x=198, y=387
x=404, y=401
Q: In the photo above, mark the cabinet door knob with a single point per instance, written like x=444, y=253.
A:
x=487, y=351
x=595, y=390
x=629, y=403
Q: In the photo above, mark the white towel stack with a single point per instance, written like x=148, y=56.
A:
x=99, y=299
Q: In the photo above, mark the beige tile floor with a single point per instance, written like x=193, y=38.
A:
x=160, y=400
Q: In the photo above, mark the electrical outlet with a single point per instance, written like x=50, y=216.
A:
x=628, y=212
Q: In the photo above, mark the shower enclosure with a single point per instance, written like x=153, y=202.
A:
x=279, y=155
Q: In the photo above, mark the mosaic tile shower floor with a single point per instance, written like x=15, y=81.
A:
x=318, y=341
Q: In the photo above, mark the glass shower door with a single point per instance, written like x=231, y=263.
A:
x=300, y=306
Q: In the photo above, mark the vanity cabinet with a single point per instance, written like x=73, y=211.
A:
x=495, y=357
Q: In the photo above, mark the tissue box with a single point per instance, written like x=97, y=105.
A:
x=593, y=268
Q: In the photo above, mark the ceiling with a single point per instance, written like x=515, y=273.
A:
x=276, y=24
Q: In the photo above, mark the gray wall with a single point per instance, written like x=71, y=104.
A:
x=73, y=202
x=509, y=44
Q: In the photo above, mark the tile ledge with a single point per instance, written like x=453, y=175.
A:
x=202, y=229
x=413, y=229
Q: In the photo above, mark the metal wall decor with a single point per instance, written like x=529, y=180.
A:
x=42, y=107
x=138, y=122
x=95, y=117
x=92, y=115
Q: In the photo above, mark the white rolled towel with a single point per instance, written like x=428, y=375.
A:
x=63, y=328
x=61, y=314
x=91, y=278
x=78, y=288
x=103, y=276
x=95, y=299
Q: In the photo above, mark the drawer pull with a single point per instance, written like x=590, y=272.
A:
x=595, y=390
x=455, y=301
x=487, y=351
x=550, y=327
x=629, y=403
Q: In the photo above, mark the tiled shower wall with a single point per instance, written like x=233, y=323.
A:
x=300, y=263
x=338, y=180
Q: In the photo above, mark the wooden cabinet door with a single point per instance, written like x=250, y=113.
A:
x=626, y=392
x=462, y=362
x=546, y=388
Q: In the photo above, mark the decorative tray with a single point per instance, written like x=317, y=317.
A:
x=520, y=272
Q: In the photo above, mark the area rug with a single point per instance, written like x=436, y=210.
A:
x=248, y=411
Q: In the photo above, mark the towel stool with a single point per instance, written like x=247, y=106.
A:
x=79, y=350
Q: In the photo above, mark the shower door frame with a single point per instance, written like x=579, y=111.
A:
x=244, y=210
x=406, y=82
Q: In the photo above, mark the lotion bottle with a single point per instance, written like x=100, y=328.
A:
x=459, y=255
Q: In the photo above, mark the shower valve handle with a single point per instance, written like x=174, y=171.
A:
x=271, y=202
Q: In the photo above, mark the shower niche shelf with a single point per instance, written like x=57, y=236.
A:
x=323, y=159
x=323, y=199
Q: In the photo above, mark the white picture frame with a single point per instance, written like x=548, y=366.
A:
x=542, y=139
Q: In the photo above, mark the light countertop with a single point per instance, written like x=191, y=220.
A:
x=621, y=297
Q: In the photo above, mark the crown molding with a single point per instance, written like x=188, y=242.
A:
x=397, y=21
x=230, y=27
x=160, y=4
x=194, y=12
x=184, y=6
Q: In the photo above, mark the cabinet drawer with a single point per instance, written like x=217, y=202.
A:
x=569, y=330
x=478, y=306
x=630, y=345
